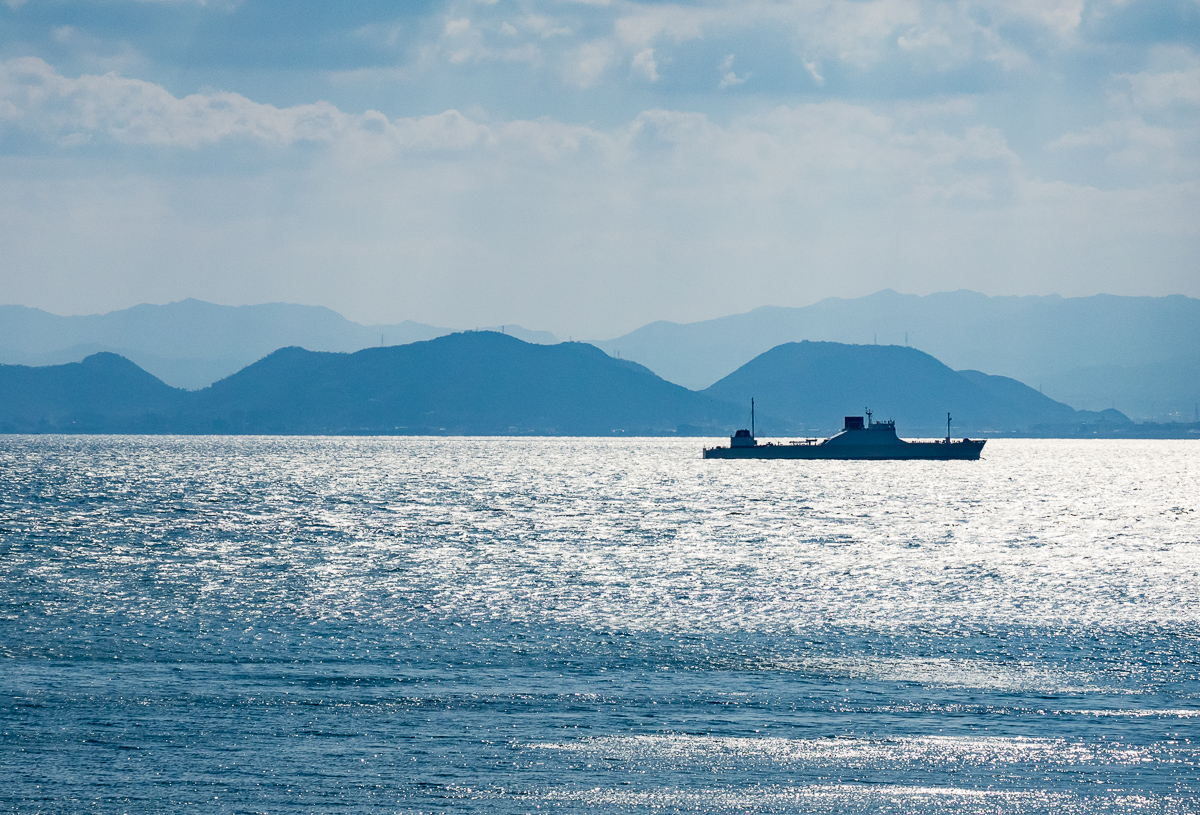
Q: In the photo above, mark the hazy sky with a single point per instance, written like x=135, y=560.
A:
x=589, y=166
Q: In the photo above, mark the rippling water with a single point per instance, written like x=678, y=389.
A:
x=515, y=625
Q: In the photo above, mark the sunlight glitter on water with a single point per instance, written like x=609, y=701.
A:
x=1038, y=532
x=595, y=624
x=926, y=751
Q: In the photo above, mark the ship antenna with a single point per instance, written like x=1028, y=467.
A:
x=751, y=417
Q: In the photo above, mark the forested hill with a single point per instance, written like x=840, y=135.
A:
x=1138, y=354
x=471, y=383
x=486, y=383
x=191, y=344
x=467, y=383
x=810, y=385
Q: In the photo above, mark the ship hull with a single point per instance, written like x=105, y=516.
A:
x=966, y=450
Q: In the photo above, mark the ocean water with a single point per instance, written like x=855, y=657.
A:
x=276, y=625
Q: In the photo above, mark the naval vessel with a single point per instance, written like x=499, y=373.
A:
x=869, y=440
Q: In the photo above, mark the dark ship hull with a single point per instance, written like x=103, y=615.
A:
x=965, y=450
x=876, y=441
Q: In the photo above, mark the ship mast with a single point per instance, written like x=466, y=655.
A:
x=947, y=428
x=752, y=417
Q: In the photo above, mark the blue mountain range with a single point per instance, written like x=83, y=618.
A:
x=1140, y=355
x=488, y=383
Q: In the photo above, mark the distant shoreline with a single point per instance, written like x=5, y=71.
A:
x=1182, y=432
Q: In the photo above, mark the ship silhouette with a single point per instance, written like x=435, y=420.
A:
x=857, y=440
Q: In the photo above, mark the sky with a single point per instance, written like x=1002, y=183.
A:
x=588, y=166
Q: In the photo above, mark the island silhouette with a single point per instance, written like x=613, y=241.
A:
x=1136, y=354
x=489, y=383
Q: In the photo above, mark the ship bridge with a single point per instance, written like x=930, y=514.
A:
x=872, y=433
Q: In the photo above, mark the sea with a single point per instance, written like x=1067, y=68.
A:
x=512, y=625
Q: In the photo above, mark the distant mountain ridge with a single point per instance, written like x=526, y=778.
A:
x=486, y=383
x=1139, y=354
x=191, y=343
x=105, y=393
x=473, y=383
x=814, y=384
x=467, y=383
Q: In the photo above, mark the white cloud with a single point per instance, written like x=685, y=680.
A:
x=590, y=38
x=644, y=65
x=789, y=145
x=1132, y=142
x=583, y=45
x=1158, y=90
x=641, y=26
x=544, y=26
x=1060, y=16
x=814, y=71
x=36, y=98
x=465, y=218
x=920, y=40
x=590, y=62
x=1153, y=129
x=464, y=40
x=456, y=28
x=729, y=79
